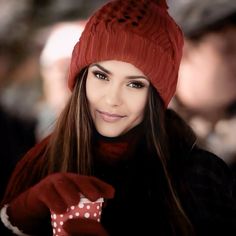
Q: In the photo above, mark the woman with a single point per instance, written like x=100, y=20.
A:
x=116, y=139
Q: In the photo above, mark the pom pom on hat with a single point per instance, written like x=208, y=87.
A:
x=138, y=32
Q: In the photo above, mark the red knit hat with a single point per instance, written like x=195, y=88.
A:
x=138, y=32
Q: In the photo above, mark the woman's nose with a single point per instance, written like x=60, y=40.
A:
x=114, y=95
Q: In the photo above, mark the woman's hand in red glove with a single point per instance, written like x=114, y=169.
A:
x=84, y=227
x=56, y=192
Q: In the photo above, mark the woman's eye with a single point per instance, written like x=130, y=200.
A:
x=100, y=75
x=136, y=84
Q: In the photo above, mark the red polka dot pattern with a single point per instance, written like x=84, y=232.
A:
x=84, y=209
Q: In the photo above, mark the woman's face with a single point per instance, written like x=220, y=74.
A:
x=117, y=94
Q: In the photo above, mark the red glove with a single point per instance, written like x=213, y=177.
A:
x=84, y=227
x=56, y=192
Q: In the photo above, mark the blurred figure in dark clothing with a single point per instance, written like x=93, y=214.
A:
x=17, y=132
x=16, y=137
x=206, y=91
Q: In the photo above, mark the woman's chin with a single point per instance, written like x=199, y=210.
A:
x=110, y=133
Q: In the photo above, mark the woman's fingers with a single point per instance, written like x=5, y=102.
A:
x=92, y=187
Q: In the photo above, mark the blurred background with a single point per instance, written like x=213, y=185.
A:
x=36, y=41
x=206, y=90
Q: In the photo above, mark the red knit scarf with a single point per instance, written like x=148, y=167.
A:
x=111, y=151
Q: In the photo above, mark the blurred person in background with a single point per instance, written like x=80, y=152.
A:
x=206, y=91
x=54, y=64
x=17, y=136
x=16, y=133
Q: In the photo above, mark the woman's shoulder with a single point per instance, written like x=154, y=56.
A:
x=186, y=155
x=203, y=163
x=204, y=158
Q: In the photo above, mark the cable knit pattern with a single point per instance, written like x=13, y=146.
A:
x=139, y=32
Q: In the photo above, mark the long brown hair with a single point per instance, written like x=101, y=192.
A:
x=70, y=145
x=157, y=139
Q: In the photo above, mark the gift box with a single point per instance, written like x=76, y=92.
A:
x=84, y=209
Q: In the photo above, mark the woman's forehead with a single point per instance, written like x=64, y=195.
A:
x=119, y=67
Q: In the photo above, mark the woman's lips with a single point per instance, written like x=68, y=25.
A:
x=108, y=117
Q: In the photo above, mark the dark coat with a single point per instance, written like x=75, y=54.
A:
x=204, y=187
x=203, y=183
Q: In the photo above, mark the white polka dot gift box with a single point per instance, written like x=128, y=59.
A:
x=84, y=209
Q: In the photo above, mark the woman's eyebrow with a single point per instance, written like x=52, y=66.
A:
x=110, y=73
x=136, y=77
x=102, y=68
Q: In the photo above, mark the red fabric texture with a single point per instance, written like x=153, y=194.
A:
x=138, y=32
x=119, y=149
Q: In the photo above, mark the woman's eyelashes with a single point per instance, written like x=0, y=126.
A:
x=136, y=84
x=132, y=84
x=100, y=75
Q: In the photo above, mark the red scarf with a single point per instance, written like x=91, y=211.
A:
x=112, y=151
